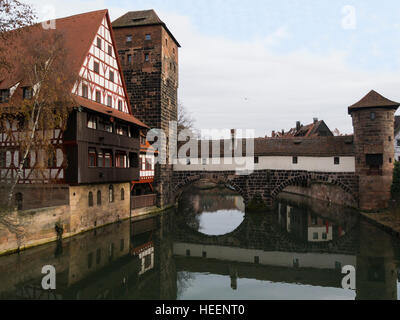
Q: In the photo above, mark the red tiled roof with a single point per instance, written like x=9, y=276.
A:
x=373, y=100
x=78, y=33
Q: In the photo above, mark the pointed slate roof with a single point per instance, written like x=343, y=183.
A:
x=141, y=18
x=373, y=100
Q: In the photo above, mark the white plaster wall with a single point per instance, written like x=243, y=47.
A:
x=281, y=259
x=319, y=164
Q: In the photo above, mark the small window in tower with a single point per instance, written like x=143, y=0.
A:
x=99, y=43
x=146, y=57
x=96, y=67
x=129, y=59
x=390, y=138
x=109, y=101
x=166, y=42
x=111, y=76
x=109, y=50
x=129, y=38
x=85, y=91
x=148, y=37
x=98, y=96
x=372, y=115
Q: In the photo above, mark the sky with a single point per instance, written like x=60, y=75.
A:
x=263, y=65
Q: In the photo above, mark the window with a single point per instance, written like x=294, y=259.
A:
x=27, y=162
x=121, y=130
x=85, y=91
x=105, y=125
x=2, y=159
x=390, y=139
x=111, y=76
x=372, y=116
x=92, y=158
x=19, y=201
x=108, y=159
x=148, y=37
x=166, y=42
x=204, y=162
x=204, y=254
x=4, y=95
x=315, y=236
x=92, y=123
x=109, y=101
x=96, y=67
x=100, y=160
x=90, y=199
x=129, y=38
x=122, y=194
x=109, y=50
x=122, y=245
x=398, y=143
x=188, y=162
x=52, y=160
x=129, y=58
x=146, y=57
x=256, y=160
x=295, y=160
x=98, y=96
x=256, y=260
x=337, y=161
x=119, y=105
x=188, y=253
x=99, y=198
x=27, y=93
x=111, y=194
x=99, y=43
x=324, y=236
x=120, y=160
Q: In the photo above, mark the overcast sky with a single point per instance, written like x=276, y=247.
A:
x=264, y=65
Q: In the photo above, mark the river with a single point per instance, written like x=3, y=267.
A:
x=210, y=248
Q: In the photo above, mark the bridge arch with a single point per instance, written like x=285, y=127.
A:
x=308, y=180
x=211, y=177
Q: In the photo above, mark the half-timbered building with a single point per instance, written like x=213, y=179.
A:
x=97, y=157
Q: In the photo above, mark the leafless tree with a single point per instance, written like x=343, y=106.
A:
x=40, y=65
x=185, y=119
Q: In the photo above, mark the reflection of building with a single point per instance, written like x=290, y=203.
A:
x=306, y=225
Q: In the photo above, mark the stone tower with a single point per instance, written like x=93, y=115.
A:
x=149, y=56
x=373, y=123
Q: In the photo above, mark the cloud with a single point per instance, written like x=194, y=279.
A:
x=246, y=84
x=251, y=84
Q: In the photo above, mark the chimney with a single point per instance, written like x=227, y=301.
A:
x=233, y=134
x=315, y=120
x=298, y=125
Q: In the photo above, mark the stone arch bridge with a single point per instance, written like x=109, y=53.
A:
x=268, y=184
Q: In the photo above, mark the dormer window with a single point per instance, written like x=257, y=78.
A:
x=27, y=93
x=4, y=95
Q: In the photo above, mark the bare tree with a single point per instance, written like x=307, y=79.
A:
x=39, y=106
x=185, y=119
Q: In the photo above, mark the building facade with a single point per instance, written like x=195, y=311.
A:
x=149, y=55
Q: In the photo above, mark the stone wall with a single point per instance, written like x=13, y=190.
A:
x=84, y=218
x=267, y=184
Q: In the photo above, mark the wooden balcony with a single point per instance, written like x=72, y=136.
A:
x=145, y=201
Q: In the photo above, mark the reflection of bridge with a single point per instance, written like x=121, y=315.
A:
x=265, y=232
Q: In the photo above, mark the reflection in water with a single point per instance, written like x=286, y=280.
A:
x=296, y=251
